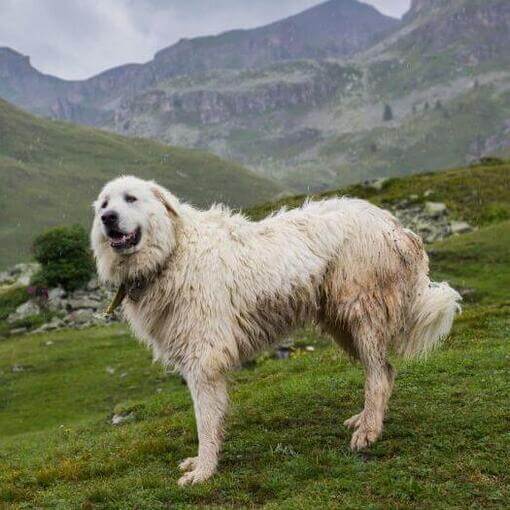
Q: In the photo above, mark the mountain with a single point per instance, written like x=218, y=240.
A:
x=314, y=124
x=337, y=28
x=303, y=100
x=51, y=171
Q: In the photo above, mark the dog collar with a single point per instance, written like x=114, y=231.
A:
x=117, y=300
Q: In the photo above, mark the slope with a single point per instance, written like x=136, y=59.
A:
x=445, y=443
x=50, y=172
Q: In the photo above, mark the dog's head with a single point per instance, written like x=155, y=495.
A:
x=134, y=229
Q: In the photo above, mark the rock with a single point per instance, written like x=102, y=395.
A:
x=435, y=209
x=80, y=317
x=428, y=193
x=460, y=227
x=6, y=278
x=468, y=294
x=55, y=323
x=282, y=353
x=309, y=348
x=110, y=370
x=119, y=419
x=93, y=284
x=83, y=303
x=18, y=331
x=17, y=368
x=56, y=299
x=23, y=311
x=376, y=184
x=23, y=273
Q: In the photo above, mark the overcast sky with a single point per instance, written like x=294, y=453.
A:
x=76, y=39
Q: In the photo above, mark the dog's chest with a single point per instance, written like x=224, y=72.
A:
x=160, y=321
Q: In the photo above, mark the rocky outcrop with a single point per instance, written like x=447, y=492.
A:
x=431, y=220
x=474, y=32
x=206, y=104
x=78, y=309
x=19, y=275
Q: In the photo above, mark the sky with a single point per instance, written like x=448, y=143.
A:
x=76, y=39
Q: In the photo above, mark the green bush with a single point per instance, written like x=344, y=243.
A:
x=11, y=299
x=65, y=257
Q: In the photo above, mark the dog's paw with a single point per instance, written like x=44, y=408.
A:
x=363, y=437
x=188, y=464
x=198, y=475
x=354, y=421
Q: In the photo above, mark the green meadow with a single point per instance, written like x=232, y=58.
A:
x=446, y=439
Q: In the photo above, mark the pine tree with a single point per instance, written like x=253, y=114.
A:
x=388, y=113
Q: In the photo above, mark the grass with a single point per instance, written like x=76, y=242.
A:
x=445, y=443
x=286, y=447
x=479, y=194
x=51, y=171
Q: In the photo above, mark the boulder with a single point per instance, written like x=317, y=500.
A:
x=6, y=278
x=56, y=299
x=83, y=303
x=55, y=323
x=119, y=419
x=435, y=209
x=376, y=184
x=23, y=311
x=81, y=317
x=24, y=272
x=19, y=331
x=460, y=227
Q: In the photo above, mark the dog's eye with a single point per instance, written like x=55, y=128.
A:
x=104, y=204
x=130, y=199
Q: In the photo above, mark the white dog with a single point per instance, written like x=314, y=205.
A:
x=209, y=289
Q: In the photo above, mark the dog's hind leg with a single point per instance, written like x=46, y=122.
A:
x=210, y=401
x=379, y=378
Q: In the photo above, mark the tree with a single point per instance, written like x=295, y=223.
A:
x=388, y=113
x=65, y=257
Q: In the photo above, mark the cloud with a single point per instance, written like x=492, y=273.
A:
x=77, y=39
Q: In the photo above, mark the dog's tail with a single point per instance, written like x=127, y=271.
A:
x=431, y=317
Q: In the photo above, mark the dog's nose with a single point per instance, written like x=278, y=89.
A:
x=110, y=218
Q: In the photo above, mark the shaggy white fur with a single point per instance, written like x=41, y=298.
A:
x=208, y=289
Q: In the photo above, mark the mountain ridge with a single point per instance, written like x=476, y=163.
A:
x=336, y=28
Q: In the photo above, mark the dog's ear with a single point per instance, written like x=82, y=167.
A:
x=166, y=199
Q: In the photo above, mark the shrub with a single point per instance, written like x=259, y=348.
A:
x=10, y=300
x=65, y=257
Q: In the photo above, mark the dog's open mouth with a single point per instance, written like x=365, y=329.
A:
x=121, y=241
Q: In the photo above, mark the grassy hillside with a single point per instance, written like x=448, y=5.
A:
x=51, y=171
x=479, y=194
x=445, y=443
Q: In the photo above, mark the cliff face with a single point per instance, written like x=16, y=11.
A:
x=217, y=98
x=471, y=31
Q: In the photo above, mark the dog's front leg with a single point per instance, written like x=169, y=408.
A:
x=210, y=400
